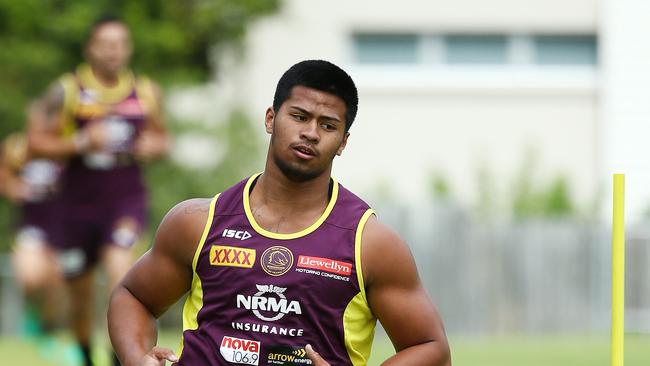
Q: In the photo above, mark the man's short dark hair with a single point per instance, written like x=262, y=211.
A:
x=101, y=21
x=320, y=75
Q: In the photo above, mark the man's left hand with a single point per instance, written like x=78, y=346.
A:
x=149, y=146
x=315, y=357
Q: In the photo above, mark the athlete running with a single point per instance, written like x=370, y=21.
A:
x=32, y=184
x=105, y=121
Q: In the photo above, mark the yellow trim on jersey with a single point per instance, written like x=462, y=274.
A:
x=145, y=91
x=358, y=320
x=194, y=301
x=357, y=249
x=359, y=330
x=206, y=230
x=70, y=101
x=14, y=153
x=105, y=94
x=272, y=235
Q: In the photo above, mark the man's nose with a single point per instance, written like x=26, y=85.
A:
x=310, y=131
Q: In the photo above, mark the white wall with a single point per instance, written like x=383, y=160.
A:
x=411, y=120
x=626, y=100
x=404, y=136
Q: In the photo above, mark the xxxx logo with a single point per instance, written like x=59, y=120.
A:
x=232, y=256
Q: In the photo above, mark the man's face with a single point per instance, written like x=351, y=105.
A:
x=306, y=133
x=109, y=48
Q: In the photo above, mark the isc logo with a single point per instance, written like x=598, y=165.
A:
x=232, y=256
x=237, y=234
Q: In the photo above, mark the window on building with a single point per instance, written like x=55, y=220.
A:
x=565, y=50
x=475, y=49
x=386, y=48
x=471, y=50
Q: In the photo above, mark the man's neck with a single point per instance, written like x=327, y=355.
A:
x=107, y=79
x=285, y=206
x=277, y=189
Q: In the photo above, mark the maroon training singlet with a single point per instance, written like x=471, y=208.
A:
x=259, y=297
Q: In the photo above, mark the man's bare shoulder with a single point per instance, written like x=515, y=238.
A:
x=378, y=236
x=383, y=250
x=194, y=206
x=182, y=227
x=187, y=214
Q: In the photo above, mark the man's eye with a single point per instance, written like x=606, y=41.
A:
x=299, y=117
x=328, y=126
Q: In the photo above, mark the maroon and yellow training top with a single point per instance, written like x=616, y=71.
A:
x=258, y=297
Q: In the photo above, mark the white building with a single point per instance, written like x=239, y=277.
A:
x=456, y=87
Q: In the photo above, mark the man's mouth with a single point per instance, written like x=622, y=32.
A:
x=304, y=151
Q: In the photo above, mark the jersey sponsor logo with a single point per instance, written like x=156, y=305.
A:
x=325, y=264
x=267, y=329
x=237, y=350
x=221, y=255
x=269, y=303
x=276, y=260
x=324, y=274
x=288, y=356
x=237, y=234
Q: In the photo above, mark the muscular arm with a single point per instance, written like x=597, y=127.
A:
x=157, y=280
x=12, y=185
x=400, y=302
x=5, y=174
x=45, y=124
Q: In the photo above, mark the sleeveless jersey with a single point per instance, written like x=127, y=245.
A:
x=123, y=110
x=258, y=297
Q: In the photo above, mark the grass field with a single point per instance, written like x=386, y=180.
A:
x=521, y=350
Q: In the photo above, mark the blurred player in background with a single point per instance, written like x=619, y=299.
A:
x=32, y=184
x=105, y=122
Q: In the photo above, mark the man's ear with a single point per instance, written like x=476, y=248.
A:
x=269, y=120
x=343, y=143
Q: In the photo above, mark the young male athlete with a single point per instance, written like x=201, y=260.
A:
x=286, y=267
x=105, y=122
x=32, y=184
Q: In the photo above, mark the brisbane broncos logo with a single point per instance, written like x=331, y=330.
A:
x=277, y=260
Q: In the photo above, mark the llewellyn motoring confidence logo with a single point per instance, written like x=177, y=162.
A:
x=276, y=260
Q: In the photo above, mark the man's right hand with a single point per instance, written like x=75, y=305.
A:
x=157, y=357
x=16, y=191
x=97, y=136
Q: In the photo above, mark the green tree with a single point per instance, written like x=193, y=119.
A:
x=176, y=42
x=439, y=186
x=534, y=197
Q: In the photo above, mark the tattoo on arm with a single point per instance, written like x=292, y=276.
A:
x=45, y=111
x=194, y=208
